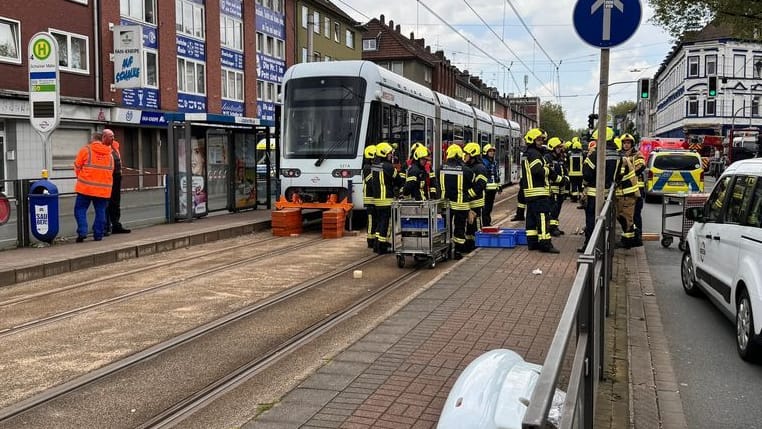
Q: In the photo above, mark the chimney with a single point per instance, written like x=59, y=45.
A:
x=382, y=19
x=397, y=28
x=412, y=36
x=391, y=24
x=428, y=48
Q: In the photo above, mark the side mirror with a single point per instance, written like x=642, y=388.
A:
x=695, y=214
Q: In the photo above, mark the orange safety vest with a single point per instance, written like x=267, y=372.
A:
x=94, y=168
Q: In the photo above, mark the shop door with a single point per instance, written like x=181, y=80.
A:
x=218, y=170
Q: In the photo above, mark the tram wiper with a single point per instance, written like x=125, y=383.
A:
x=333, y=147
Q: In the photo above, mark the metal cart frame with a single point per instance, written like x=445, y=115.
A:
x=684, y=201
x=418, y=230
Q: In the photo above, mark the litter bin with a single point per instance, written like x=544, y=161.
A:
x=43, y=210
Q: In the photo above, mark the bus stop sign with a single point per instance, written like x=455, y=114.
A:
x=44, y=85
x=606, y=23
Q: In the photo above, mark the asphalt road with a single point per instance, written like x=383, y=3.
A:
x=718, y=389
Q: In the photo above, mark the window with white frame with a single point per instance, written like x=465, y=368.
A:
x=316, y=22
x=189, y=18
x=73, y=51
x=270, y=46
x=305, y=15
x=141, y=10
x=231, y=32
x=710, y=65
x=316, y=57
x=755, y=105
x=349, y=39
x=693, y=66
x=692, y=106
x=151, y=75
x=756, y=67
x=10, y=40
x=427, y=75
x=327, y=27
x=304, y=55
x=260, y=42
x=260, y=89
x=337, y=32
x=270, y=92
x=191, y=76
x=269, y=4
x=232, y=84
x=739, y=65
x=397, y=67
x=369, y=44
x=278, y=6
x=280, y=49
x=711, y=107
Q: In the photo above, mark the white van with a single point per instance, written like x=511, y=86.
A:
x=724, y=254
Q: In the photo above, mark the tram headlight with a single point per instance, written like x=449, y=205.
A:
x=290, y=172
x=345, y=173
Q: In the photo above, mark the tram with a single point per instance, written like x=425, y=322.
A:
x=332, y=110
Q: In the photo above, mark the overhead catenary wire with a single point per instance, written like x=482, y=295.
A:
x=526, y=27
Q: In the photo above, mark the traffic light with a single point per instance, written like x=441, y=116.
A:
x=591, y=120
x=712, y=86
x=644, y=88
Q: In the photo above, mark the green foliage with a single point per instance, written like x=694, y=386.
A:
x=553, y=120
x=622, y=108
x=744, y=17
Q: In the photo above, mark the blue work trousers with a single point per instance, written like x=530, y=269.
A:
x=81, y=205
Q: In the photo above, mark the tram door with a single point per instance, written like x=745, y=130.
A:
x=218, y=171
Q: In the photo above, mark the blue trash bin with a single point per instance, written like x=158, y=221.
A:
x=43, y=210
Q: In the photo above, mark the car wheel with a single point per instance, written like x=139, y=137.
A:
x=686, y=273
x=746, y=341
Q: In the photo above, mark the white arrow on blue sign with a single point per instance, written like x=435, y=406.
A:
x=606, y=23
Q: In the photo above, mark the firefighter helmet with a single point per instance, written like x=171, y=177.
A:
x=577, y=145
x=454, y=151
x=553, y=143
x=628, y=137
x=383, y=149
x=370, y=152
x=575, y=139
x=618, y=143
x=487, y=147
x=472, y=148
x=413, y=147
x=567, y=145
x=420, y=152
x=533, y=135
x=609, y=134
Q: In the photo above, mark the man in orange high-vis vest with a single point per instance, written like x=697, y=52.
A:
x=94, y=167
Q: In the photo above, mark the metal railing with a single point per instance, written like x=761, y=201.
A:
x=582, y=320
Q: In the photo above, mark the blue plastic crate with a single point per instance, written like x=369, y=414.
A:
x=502, y=239
x=521, y=235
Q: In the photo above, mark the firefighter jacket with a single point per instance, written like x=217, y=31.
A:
x=614, y=170
x=638, y=163
x=629, y=184
x=574, y=162
x=367, y=178
x=383, y=181
x=556, y=163
x=94, y=168
x=479, y=186
x=536, y=175
x=456, y=180
x=493, y=173
x=419, y=184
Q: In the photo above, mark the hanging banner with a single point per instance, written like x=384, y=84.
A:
x=128, y=56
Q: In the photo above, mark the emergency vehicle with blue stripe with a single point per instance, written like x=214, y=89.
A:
x=672, y=172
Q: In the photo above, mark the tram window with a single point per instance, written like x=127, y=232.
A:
x=417, y=128
x=457, y=135
x=385, y=122
x=429, y=132
x=468, y=134
x=485, y=138
x=399, y=133
x=374, y=124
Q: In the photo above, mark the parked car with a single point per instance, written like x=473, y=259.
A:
x=723, y=258
x=673, y=171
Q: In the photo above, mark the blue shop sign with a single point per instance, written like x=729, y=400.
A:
x=153, y=118
x=141, y=97
x=270, y=22
x=270, y=69
x=232, y=59
x=266, y=111
x=232, y=108
x=232, y=8
x=191, y=48
x=191, y=103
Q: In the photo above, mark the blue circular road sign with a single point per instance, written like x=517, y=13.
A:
x=606, y=23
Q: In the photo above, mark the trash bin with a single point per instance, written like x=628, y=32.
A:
x=43, y=210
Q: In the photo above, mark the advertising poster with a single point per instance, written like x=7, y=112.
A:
x=128, y=56
x=198, y=177
x=245, y=174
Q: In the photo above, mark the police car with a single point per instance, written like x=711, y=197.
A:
x=673, y=171
x=723, y=259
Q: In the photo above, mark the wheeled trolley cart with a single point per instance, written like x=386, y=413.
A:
x=675, y=205
x=421, y=229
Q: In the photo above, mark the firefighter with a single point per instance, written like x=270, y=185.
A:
x=612, y=177
x=418, y=184
x=367, y=198
x=384, y=181
x=583, y=191
x=456, y=179
x=574, y=159
x=555, y=161
x=639, y=164
x=536, y=177
x=493, y=182
x=473, y=159
x=626, y=196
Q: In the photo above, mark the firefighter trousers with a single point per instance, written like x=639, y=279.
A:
x=521, y=204
x=370, y=209
x=558, y=202
x=575, y=185
x=638, y=216
x=538, y=223
x=625, y=207
x=472, y=227
x=489, y=203
x=383, y=227
x=459, y=220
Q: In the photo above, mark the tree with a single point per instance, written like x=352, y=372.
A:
x=742, y=17
x=553, y=120
x=622, y=108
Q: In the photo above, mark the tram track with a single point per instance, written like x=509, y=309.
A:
x=34, y=323
x=212, y=339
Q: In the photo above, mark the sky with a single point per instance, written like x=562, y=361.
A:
x=559, y=65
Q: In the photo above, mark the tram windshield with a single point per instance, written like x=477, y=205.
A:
x=322, y=117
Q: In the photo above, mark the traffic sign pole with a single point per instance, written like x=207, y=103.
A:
x=600, y=147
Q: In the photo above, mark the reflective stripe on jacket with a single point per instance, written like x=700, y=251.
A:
x=94, y=167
